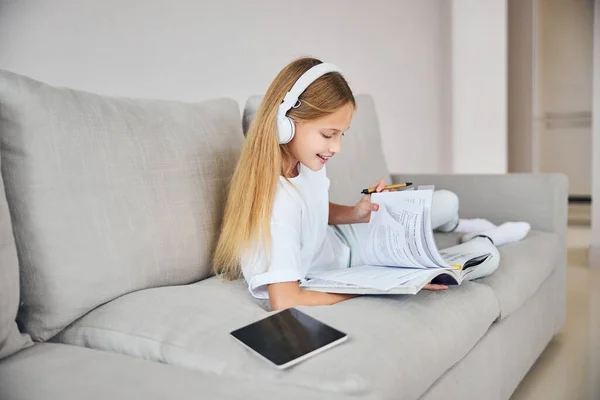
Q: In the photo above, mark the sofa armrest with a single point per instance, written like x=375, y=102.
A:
x=540, y=199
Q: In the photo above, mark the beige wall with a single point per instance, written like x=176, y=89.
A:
x=522, y=45
x=550, y=75
x=595, y=250
x=565, y=91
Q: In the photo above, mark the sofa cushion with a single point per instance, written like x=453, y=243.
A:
x=503, y=357
x=11, y=340
x=361, y=162
x=392, y=339
x=524, y=266
x=109, y=195
x=49, y=371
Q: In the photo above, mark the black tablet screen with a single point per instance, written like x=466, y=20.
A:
x=287, y=335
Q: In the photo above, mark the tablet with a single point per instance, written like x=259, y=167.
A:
x=288, y=337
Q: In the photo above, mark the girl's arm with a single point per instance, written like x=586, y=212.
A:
x=339, y=215
x=289, y=294
x=359, y=213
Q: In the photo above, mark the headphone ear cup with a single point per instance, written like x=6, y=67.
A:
x=285, y=129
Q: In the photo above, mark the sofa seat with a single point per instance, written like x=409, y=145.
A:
x=55, y=371
x=398, y=345
x=524, y=266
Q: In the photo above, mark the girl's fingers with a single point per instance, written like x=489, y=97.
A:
x=432, y=286
x=374, y=206
x=379, y=185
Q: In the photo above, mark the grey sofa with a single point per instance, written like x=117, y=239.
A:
x=109, y=211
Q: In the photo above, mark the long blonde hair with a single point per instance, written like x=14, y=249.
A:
x=246, y=221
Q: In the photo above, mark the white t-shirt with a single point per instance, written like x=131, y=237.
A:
x=301, y=241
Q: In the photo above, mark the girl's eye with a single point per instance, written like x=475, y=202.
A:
x=326, y=136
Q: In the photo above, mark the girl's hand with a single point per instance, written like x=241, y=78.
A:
x=362, y=209
x=435, y=287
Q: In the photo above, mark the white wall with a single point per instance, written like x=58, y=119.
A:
x=479, y=86
x=192, y=50
x=436, y=68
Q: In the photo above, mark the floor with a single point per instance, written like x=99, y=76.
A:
x=569, y=368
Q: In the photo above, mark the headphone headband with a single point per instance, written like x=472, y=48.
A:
x=304, y=82
x=285, y=125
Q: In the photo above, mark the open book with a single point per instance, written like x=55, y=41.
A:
x=400, y=255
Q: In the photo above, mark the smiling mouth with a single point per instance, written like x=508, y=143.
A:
x=323, y=158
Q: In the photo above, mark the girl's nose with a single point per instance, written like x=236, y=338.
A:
x=336, y=145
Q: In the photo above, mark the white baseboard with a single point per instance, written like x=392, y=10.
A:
x=595, y=256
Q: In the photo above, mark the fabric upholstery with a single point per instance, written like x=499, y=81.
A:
x=495, y=366
x=109, y=195
x=49, y=371
x=524, y=265
x=392, y=339
x=11, y=340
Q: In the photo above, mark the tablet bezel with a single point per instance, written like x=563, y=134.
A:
x=298, y=359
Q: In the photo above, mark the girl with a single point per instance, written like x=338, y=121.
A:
x=275, y=226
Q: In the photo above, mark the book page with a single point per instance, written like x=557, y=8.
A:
x=397, y=234
x=424, y=196
x=429, y=275
x=368, y=276
x=391, y=236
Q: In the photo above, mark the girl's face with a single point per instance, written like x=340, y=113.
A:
x=317, y=140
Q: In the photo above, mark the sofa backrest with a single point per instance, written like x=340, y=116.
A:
x=109, y=195
x=11, y=340
x=361, y=162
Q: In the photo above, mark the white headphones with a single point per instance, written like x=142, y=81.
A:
x=285, y=125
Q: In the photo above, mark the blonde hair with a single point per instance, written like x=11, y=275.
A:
x=246, y=222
